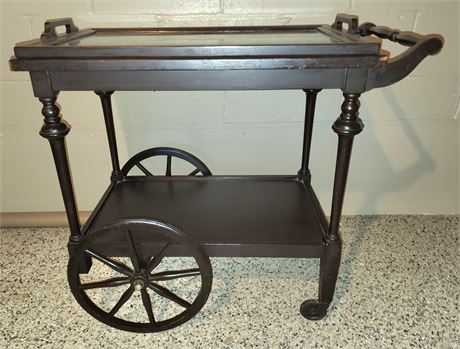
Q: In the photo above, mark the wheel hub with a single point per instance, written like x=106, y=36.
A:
x=139, y=282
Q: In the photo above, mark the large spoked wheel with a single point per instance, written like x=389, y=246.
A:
x=170, y=153
x=145, y=291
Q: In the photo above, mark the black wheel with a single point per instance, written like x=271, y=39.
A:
x=141, y=291
x=170, y=153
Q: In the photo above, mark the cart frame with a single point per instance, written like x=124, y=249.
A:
x=364, y=67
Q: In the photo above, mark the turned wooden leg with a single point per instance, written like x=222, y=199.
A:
x=346, y=126
x=55, y=129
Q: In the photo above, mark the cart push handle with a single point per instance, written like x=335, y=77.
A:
x=50, y=32
x=396, y=68
x=433, y=42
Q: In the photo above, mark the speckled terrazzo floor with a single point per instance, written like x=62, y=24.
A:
x=398, y=288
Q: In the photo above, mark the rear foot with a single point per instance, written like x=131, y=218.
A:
x=313, y=309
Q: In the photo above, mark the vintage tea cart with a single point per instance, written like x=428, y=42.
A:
x=119, y=256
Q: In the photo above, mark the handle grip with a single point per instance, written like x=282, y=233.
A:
x=50, y=33
x=433, y=43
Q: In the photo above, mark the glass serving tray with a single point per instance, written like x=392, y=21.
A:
x=287, y=41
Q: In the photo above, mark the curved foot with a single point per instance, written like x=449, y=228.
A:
x=313, y=309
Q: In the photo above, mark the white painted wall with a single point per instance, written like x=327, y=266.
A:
x=405, y=161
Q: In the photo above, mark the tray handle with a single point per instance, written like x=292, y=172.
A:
x=50, y=33
x=350, y=20
x=396, y=68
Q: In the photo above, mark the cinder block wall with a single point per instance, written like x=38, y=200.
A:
x=405, y=161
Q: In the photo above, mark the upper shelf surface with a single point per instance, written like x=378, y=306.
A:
x=344, y=55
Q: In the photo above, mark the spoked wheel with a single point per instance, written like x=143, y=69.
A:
x=170, y=153
x=145, y=291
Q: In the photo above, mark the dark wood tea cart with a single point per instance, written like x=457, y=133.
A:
x=145, y=218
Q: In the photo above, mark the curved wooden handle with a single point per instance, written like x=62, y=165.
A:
x=405, y=38
x=396, y=68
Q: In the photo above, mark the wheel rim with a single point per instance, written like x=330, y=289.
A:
x=169, y=153
x=141, y=278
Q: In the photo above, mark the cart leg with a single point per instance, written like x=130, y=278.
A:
x=110, y=128
x=304, y=172
x=346, y=126
x=55, y=129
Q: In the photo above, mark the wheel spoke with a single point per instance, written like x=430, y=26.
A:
x=194, y=172
x=148, y=306
x=164, y=292
x=174, y=274
x=168, y=165
x=123, y=299
x=115, y=265
x=143, y=169
x=134, y=255
x=157, y=259
x=113, y=282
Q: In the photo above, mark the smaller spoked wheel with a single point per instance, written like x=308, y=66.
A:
x=191, y=164
x=135, y=284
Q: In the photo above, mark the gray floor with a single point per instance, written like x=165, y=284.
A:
x=398, y=288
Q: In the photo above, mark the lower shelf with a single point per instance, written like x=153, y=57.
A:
x=257, y=216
